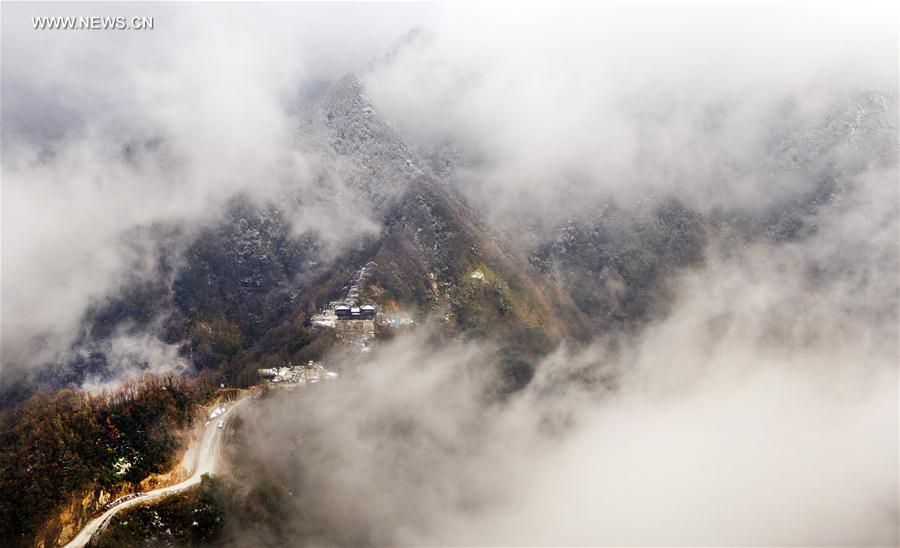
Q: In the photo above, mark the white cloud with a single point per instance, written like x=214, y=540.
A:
x=632, y=100
x=105, y=132
x=761, y=410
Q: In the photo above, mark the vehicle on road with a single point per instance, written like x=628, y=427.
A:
x=218, y=411
x=208, y=450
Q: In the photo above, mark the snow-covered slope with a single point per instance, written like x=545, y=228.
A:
x=360, y=153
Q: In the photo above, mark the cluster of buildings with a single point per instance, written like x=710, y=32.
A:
x=348, y=308
x=294, y=374
x=354, y=323
x=339, y=312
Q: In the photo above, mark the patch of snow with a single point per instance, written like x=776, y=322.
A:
x=122, y=466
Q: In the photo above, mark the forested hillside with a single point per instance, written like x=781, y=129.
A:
x=67, y=443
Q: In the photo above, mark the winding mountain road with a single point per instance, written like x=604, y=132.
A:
x=206, y=461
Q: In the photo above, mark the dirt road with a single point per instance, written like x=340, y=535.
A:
x=206, y=460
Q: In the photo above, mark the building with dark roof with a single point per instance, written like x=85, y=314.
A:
x=343, y=311
x=367, y=312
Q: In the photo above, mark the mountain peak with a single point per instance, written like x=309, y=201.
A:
x=365, y=151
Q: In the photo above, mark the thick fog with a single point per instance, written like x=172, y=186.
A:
x=629, y=103
x=761, y=409
x=108, y=134
x=105, y=132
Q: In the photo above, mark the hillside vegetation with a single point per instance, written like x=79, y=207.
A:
x=56, y=446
